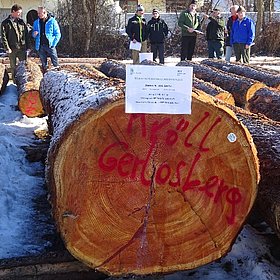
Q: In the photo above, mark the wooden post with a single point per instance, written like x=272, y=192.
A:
x=4, y=78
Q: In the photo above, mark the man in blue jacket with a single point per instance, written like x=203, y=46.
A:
x=47, y=34
x=242, y=36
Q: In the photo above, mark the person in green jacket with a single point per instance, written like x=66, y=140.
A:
x=189, y=22
x=14, y=35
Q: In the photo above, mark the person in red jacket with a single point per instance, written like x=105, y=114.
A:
x=230, y=21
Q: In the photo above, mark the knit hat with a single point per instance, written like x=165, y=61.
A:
x=193, y=2
x=241, y=9
x=140, y=7
x=155, y=11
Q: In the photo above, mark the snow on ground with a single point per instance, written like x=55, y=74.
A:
x=23, y=228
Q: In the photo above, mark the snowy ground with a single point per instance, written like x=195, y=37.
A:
x=24, y=229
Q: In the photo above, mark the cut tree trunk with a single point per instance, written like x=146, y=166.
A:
x=267, y=102
x=28, y=76
x=4, y=78
x=214, y=91
x=113, y=69
x=241, y=88
x=145, y=193
x=271, y=80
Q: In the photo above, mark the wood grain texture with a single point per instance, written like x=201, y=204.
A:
x=137, y=193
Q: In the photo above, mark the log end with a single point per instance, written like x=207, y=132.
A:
x=136, y=193
x=30, y=104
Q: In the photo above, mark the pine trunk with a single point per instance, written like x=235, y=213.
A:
x=267, y=102
x=28, y=76
x=4, y=78
x=138, y=193
x=261, y=75
x=241, y=88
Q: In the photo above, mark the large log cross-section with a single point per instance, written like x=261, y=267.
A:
x=139, y=193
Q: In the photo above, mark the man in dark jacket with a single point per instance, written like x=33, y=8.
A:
x=14, y=35
x=136, y=30
x=189, y=22
x=230, y=21
x=157, y=31
x=242, y=36
x=215, y=34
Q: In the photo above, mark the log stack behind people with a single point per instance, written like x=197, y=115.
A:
x=144, y=193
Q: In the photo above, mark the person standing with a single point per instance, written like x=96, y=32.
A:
x=47, y=34
x=189, y=22
x=157, y=30
x=242, y=36
x=15, y=38
x=215, y=34
x=230, y=21
x=136, y=30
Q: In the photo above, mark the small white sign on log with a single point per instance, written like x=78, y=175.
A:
x=158, y=89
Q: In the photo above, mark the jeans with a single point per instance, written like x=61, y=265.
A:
x=158, y=48
x=228, y=53
x=46, y=51
x=215, y=47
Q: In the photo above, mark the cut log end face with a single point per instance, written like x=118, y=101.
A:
x=30, y=104
x=141, y=193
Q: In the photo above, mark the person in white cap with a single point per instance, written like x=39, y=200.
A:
x=136, y=30
x=157, y=32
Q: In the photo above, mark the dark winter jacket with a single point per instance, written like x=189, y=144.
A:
x=243, y=31
x=230, y=22
x=157, y=30
x=186, y=19
x=137, y=28
x=14, y=34
x=215, y=29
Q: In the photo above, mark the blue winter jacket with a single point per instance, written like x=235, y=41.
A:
x=52, y=31
x=243, y=31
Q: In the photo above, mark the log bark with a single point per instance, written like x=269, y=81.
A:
x=4, y=78
x=28, y=76
x=48, y=266
x=241, y=88
x=269, y=79
x=267, y=102
x=214, y=91
x=266, y=136
x=113, y=69
x=137, y=193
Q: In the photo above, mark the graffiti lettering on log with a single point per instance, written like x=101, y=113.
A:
x=31, y=101
x=118, y=157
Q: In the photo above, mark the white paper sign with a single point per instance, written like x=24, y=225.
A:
x=135, y=46
x=158, y=89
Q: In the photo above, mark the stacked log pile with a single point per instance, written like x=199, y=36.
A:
x=261, y=75
x=115, y=69
x=248, y=93
x=28, y=76
x=136, y=193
